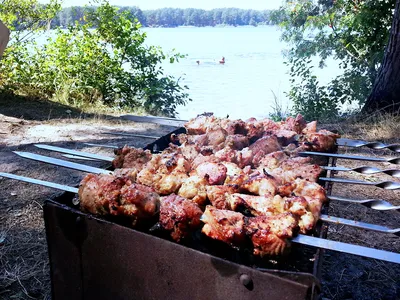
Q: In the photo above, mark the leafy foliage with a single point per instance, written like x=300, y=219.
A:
x=109, y=64
x=352, y=32
x=25, y=17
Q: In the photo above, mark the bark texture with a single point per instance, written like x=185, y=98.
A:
x=385, y=95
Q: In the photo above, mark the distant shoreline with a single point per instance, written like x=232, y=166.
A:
x=216, y=26
x=177, y=17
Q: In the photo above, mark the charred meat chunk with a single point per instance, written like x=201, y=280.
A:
x=179, y=216
x=269, y=234
x=223, y=225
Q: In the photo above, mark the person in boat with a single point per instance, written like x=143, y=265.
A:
x=222, y=61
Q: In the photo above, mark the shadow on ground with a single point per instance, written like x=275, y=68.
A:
x=35, y=108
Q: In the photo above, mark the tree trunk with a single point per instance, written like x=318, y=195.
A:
x=385, y=95
x=4, y=37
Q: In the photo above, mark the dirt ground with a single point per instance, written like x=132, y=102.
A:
x=24, y=270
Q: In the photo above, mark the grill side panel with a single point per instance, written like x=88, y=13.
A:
x=121, y=263
x=64, y=253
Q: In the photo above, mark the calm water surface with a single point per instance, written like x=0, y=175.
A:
x=245, y=85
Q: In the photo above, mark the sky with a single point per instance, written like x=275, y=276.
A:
x=204, y=4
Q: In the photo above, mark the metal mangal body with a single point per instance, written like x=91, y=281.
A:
x=92, y=258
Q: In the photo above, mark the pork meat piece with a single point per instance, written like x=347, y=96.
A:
x=257, y=205
x=223, y=225
x=263, y=146
x=301, y=168
x=299, y=207
x=273, y=160
x=285, y=137
x=110, y=195
x=200, y=124
x=270, y=234
x=189, y=151
x=131, y=173
x=242, y=157
x=234, y=126
x=321, y=141
x=214, y=173
x=218, y=195
x=311, y=191
x=179, y=216
x=232, y=169
x=269, y=125
x=295, y=124
x=194, y=188
x=216, y=138
x=128, y=157
x=310, y=127
x=226, y=154
x=260, y=184
x=165, y=173
x=203, y=159
x=255, y=129
x=99, y=194
x=255, y=183
x=236, y=141
x=138, y=201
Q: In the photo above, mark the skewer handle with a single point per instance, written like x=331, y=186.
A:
x=347, y=248
x=387, y=185
x=40, y=182
x=365, y=170
x=377, y=204
x=357, y=224
x=371, y=145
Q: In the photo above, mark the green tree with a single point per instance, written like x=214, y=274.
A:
x=385, y=95
x=352, y=32
x=25, y=17
x=101, y=58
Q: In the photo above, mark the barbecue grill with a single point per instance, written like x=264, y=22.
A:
x=98, y=258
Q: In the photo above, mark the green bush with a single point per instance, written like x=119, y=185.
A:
x=102, y=59
x=354, y=33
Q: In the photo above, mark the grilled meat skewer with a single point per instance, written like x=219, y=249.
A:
x=302, y=239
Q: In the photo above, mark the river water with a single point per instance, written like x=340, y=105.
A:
x=245, y=85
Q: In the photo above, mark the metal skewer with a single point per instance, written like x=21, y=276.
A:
x=41, y=182
x=371, y=203
x=347, y=248
x=377, y=204
x=365, y=170
x=77, y=157
x=101, y=145
x=387, y=185
x=132, y=134
x=340, y=142
x=62, y=163
x=89, y=169
x=357, y=224
x=74, y=152
x=371, y=145
x=395, y=161
x=301, y=239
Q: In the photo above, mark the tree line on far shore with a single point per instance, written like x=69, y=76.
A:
x=174, y=17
